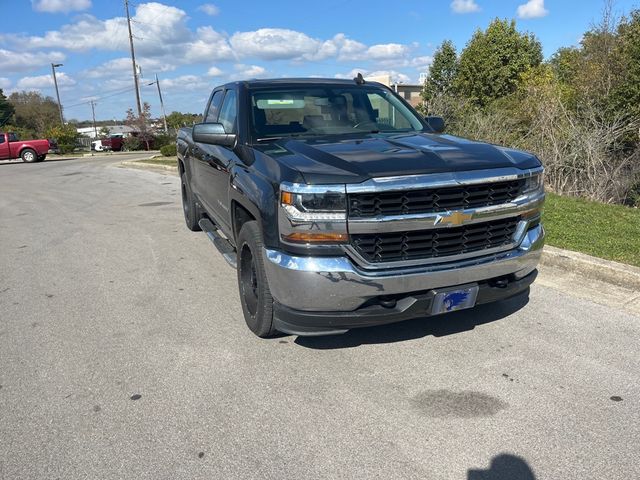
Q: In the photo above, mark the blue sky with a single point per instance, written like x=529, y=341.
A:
x=194, y=45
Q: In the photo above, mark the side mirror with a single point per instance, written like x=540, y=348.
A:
x=213, y=134
x=436, y=124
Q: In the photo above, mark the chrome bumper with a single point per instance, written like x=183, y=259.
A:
x=336, y=284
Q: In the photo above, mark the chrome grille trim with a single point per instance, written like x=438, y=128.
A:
x=439, y=180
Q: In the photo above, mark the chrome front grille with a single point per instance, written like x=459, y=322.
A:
x=409, y=202
x=435, y=243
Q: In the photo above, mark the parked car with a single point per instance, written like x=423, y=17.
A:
x=342, y=207
x=109, y=144
x=28, y=150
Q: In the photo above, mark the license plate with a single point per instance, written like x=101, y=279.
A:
x=454, y=299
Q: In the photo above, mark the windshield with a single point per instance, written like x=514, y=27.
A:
x=328, y=110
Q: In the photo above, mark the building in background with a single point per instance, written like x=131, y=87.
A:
x=410, y=92
x=114, y=131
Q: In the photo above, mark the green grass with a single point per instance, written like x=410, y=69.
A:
x=605, y=231
x=170, y=161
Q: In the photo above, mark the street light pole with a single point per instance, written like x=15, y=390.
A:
x=55, y=82
x=164, y=115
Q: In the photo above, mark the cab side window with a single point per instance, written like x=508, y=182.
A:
x=1, y=137
x=229, y=112
x=214, y=107
x=13, y=137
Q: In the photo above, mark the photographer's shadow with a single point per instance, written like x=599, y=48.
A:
x=439, y=326
x=504, y=467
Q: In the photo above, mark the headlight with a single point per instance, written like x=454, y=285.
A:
x=313, y=214
x=534, y=183
x=307, y=207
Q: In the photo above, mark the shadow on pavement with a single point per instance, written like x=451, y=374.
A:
x=48, y=160
x=504, y=467
x=439, y=326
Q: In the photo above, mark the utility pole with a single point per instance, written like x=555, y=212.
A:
x=133, y=60
x=93, y=111
x=55, y=82
x=164, y=115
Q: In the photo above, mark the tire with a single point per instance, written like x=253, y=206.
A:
x=42, y=157
x=189, y=208
x=255, y=296
x=29, y=155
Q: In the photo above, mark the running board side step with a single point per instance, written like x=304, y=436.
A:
x=221, y=243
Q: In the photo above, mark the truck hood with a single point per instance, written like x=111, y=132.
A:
x=355, y=159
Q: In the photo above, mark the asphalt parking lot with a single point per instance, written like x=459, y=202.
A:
x=124, y=354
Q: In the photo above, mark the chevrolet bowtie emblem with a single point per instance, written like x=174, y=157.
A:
x=453, y=218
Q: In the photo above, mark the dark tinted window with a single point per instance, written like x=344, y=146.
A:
x=13, y=137
x=1, y=137
x=229, y=112
x=214, y=107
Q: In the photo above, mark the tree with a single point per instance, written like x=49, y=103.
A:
x=65, y=135
x=104, y=131
x=626, y=93
x=177, y=120
x=140, y=125
x=492, y=62
x=442, y=73
x=6, y=109
x=34, y=113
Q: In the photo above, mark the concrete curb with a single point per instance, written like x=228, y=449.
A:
x=591, y=267
x=149, y=166
x=95, y=154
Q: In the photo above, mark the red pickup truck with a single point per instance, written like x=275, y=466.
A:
x=29, y=150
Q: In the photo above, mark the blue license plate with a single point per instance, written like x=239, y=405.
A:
x=453, y=300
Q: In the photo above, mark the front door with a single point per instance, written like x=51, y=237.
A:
x=4, y=147
x=214, y=164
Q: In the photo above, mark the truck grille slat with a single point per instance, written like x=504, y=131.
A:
x=364, y=205
x=440, y=242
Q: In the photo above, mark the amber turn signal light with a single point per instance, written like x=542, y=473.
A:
x=316, y=237
x=286, y=198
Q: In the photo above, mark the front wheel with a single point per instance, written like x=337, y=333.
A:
x=255, y=296
x=189, y=207
x=29, y=156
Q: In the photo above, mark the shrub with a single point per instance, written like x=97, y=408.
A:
x=169, y=150
x=132, y=143
x=161, y=140
x=64, y=148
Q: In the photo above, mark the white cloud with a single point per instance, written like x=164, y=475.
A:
x=55, y=6
x=191, y=82
x=396, y=77
x=274, y=44
x=532, y=9
x=249, y=71
x=464, y=6
x=122, y=66
x=5, y=83
x=164, y=41
x=386, y=51
x=208, y=46
x=44, y=81
x=14, y=62
x=209, y=9
x=215, y=72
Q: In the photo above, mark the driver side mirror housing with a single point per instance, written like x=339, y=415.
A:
x=436, y=123
x=213, y=134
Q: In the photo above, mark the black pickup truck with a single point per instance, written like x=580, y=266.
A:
x=341, y=207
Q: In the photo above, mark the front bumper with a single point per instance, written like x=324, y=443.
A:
x=336, y=288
